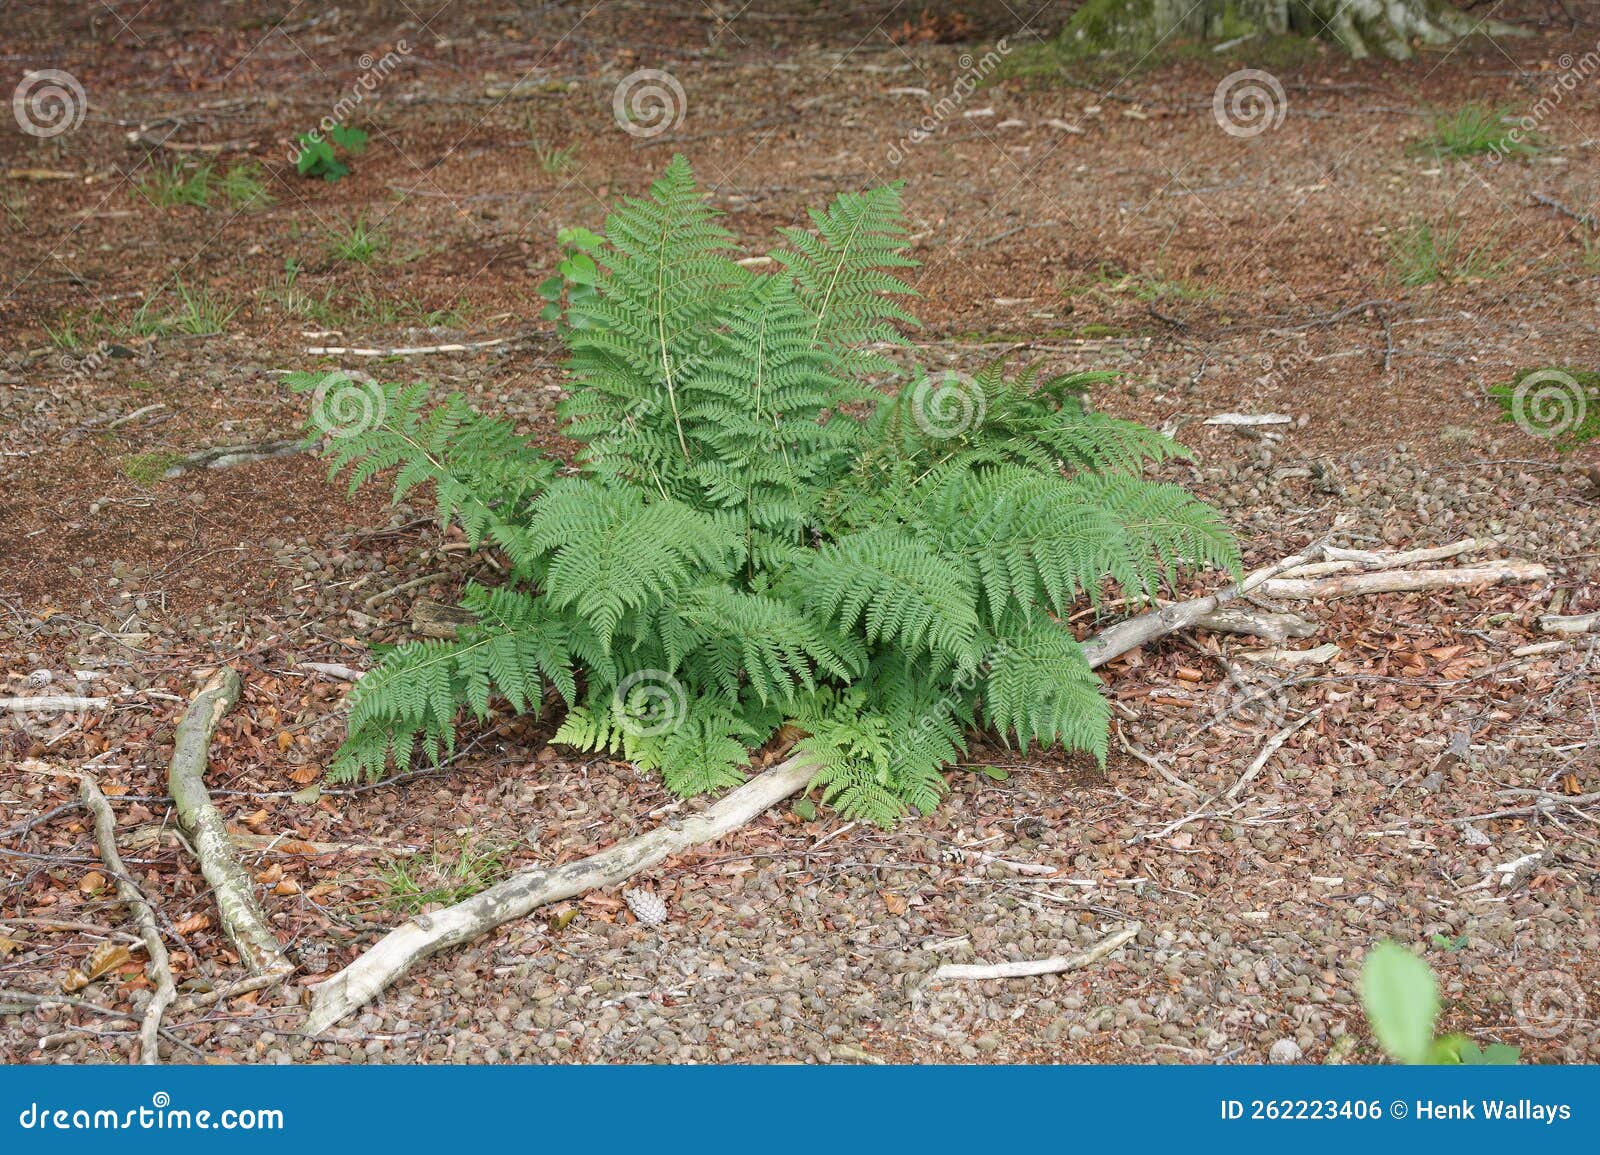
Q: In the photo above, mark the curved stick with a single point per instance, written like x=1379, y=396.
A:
x=427, y=934
x=242, y=917
x=105, y=836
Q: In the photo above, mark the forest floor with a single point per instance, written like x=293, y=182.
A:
x=1098, y=217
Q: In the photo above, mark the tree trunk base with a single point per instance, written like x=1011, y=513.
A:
x=1364, y=27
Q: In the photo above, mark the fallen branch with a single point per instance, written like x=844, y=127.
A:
x=1403, y=581
x=1243, y=419
x=1273, y=626
x=1537, y=648
x=242, y=917
x=984, y=858
x=1274, y=744
x=1546, y=803
x=1550, y=202
x=965, y=972
x=1281, y=657
x=1153, y=762
x=53, y=704
x=227, y=456
x=406, y=350
x=1397, y=559
x=334, y=670
x=427, y=934
x=1344, y=560
x=105, y=836
x=1135, y=632
x=1574, y=624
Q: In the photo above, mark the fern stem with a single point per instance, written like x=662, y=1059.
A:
x=661, y=337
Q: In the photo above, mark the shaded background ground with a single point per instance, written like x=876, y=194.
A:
x=1098, y=217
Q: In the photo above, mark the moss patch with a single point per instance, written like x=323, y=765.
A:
x=145, y=469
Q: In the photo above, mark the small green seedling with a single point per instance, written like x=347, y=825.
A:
x=1559, y=405
x=1446, y=943
x=316, y=155
x=553, y=161
x=573, y=283
x=1401, y=999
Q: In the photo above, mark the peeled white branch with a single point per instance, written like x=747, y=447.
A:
x=105, y=836
x=1135, y=632
x=1268, y=624
x=1403, y=581
x=1045, y=966
x=242, y=917
x=427, y=934
x=1282, y=657
x=53, y=704
x=1341, y=560
x=1575, y=624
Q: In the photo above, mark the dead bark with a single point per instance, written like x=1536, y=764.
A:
x=431, y=619
x=53, y=704
x=1363, y=27
x=1403, y=581
x=242, y=917
x=227, y=456
x=105, y=836
x=1572, y=624
x=1273, y=626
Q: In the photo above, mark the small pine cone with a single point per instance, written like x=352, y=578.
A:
x=646, y=907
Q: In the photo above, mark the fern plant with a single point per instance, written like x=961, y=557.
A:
x=752, y=536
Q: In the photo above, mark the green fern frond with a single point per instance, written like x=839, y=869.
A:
x=482, y=471
x=842, y=278
x=754, y=535
x=1040, y=689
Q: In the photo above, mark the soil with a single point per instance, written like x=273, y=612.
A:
x=1097, y=217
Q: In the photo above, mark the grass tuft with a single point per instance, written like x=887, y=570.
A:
x=358, y=242
x=441, y=880
x=1423, y=253
x=1479, y=129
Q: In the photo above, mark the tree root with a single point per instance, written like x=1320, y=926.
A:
x=105, y=836
x=242, y=917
